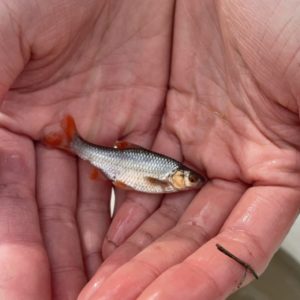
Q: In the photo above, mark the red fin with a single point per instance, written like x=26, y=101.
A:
x=69, y=127
x=53, y=139
x=126, y=145
x=60, y=135
x=121, y=185
x=97, y=174
x=94, y=174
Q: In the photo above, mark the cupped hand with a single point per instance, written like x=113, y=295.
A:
x=233, y=110
x=107, y=64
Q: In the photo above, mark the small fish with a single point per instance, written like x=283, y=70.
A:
x=128, y=166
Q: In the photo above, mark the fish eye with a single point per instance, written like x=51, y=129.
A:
x=193, y=178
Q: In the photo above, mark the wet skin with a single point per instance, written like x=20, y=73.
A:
x=221, y=95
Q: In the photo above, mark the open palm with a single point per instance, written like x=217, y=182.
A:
x=232, y=109
x=107, y=64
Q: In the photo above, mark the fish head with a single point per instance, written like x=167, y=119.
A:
x=186, y=179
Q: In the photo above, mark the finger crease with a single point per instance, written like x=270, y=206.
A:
x=66, y=269
x=250, y=238
x=167, y=213
x=145, y=266
x=196, y=269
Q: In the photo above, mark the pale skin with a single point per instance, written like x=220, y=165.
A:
x=226, y=89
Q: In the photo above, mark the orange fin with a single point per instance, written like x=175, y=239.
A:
x=69, y=127
x=53, y=139
x=97, y=174
x=121, y=185
x=155, y=181
x=126, y=145
x=60, y=135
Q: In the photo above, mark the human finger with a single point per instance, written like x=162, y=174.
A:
x=23, y=259
x=57, y=200
x=211, y=207
x=93, y=215
x=162, y=220
x=252, y=233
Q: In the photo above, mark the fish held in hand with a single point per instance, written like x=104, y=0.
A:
x=128, y=166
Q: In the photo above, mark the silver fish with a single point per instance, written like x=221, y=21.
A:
x=128, y=166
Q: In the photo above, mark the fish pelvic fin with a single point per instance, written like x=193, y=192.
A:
x=60, y=135
x=96, y=174
x=121, y=185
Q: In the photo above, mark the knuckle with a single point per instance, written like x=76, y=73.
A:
x=15, y=191
x=57, y=214
x=168, y=212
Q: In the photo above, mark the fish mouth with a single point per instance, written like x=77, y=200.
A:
x=193, y=179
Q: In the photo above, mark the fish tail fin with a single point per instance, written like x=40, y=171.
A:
x=69, y=127
x=61, y=135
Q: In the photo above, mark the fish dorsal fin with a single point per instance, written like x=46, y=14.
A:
x=156, y=181
x=121, y=145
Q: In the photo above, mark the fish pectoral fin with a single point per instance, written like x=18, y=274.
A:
x=126, y=145
x=121, y=185
x=156, y=181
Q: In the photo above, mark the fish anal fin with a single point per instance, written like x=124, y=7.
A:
x=97, y=174
x=121, y=185
x=156, y=181
x=126, y=145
